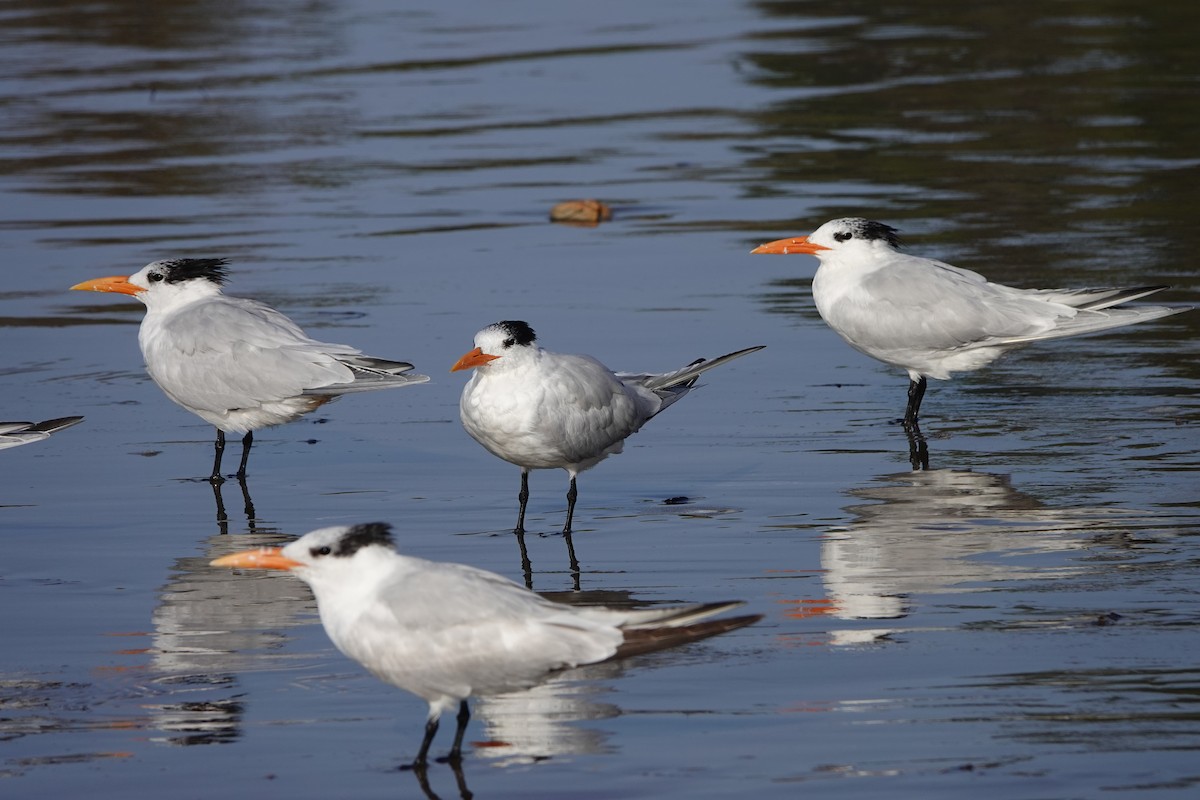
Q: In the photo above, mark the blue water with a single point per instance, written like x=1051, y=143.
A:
x=1019, y=621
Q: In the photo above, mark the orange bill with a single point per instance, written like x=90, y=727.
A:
x=475, y=358
x=786, y=247
x=116, y=283
x=262, y=558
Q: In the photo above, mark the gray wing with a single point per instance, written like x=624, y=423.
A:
x=237, y=353
x=939, y=306
x=592, y=406
x=371, y=373
x=480, y=630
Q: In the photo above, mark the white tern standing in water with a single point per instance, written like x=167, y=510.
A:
x=237, y=363
x=446, y=631
x=544, y=410
x=933, y=319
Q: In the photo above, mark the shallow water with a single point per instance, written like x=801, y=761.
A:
x=1019, y=621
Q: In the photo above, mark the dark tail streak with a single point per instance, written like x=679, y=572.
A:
x=1119, y=296
x=640, y=641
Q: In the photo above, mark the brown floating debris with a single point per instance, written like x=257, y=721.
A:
x=581, y=212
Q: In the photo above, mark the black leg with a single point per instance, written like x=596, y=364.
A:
x=572, y=493
x=916, y=391
x=247, y=440
x=523, y=497
x=464, y=716
x=219, y=450
x=431, y=727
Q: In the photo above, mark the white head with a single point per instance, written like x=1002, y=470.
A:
x=848, y=236
x=164, y=279
x=343, y=556
x=509, y=339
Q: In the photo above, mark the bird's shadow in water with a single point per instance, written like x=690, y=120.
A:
x=209, y=628
x=918, y=448
x=248, y=506
x=527, y=564
x=915, y=536
x=421, y=771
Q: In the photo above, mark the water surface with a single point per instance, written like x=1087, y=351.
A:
x=1018, y=621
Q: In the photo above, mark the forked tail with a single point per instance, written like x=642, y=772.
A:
x=685, y=377
x=370, y=374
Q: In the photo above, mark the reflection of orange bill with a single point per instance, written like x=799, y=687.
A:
x=804, y=609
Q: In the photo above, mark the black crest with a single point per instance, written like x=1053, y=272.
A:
x=186, y=269
x=877, y=230
x=516, y=332
x=869, y=230
x=364, y=535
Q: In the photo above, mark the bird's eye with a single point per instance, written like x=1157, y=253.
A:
x=507, y=343
x=843, y=236
x=321, y=551
x=154, y=277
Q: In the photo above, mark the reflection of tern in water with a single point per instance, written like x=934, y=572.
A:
x=247, y=506
x=537, y=723
x=542, y=722
x=206, y=631
x=934, y=532
x=15, y=434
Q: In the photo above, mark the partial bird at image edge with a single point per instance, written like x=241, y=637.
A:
x=14, y=434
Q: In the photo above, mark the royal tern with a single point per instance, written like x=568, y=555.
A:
x=13, y=434
x=933, y=319
x=237, y=363
x=543, y=410
x=446, y=631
